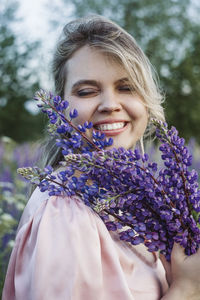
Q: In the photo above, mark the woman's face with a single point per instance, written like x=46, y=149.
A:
x=99, y=89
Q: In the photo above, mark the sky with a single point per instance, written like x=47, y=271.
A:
x=35, y=25
x=34, y=17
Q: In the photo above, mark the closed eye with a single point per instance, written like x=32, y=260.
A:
x=86, y=92
x=126, y=88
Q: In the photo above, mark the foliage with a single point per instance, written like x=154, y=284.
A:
x=168, y=32
x=13, y=193
x=17, y=81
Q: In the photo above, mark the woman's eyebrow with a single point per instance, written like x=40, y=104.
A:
x=122, y=80
x=85, y=81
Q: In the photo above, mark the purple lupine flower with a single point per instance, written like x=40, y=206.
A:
x=130, y=193
x=73, y=114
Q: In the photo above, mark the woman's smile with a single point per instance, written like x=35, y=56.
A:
x=101, y=92
x=111, y=128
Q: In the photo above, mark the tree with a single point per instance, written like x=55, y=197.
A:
x=183, y=86
x=169, y=35
x=17, y=82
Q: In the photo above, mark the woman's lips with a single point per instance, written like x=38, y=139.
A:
x=113, y=132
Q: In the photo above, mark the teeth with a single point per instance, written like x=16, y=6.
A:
x=110, y=126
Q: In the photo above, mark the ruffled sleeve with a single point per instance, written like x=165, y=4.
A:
x=63, y=251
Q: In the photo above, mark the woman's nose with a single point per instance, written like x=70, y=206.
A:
x=109, y=102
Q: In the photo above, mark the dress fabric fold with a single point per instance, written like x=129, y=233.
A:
x=64, y=251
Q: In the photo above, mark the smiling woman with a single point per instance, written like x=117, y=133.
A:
x=63, y=249
x=117, y=49
x=102, y=85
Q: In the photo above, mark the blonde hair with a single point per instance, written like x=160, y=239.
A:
x=106, y=36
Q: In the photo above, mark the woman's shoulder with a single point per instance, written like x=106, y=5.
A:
x=34, y=203
x=42, y=206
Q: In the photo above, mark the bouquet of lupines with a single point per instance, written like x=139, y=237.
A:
x=143, y=204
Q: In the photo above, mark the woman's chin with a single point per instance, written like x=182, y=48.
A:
x=117, y=144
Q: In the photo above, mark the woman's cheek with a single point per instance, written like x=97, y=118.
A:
x=138, y=111
x=82, y=115
x=73, y=104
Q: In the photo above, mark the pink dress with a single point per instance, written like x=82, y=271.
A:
x=63, y=251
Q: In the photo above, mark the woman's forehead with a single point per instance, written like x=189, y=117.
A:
x=88, y=62
x=87, y=53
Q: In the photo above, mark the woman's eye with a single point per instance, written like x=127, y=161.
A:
x=125, y=88
x=86, y=92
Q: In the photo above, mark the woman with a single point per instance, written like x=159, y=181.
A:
x=63, y=249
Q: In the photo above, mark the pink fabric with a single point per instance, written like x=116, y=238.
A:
x=63, y=251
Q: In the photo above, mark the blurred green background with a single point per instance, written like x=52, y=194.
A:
x=167, y=30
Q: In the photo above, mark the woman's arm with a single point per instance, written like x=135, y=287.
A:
x=183, y=275
x=63, y=251
x=56, y=254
